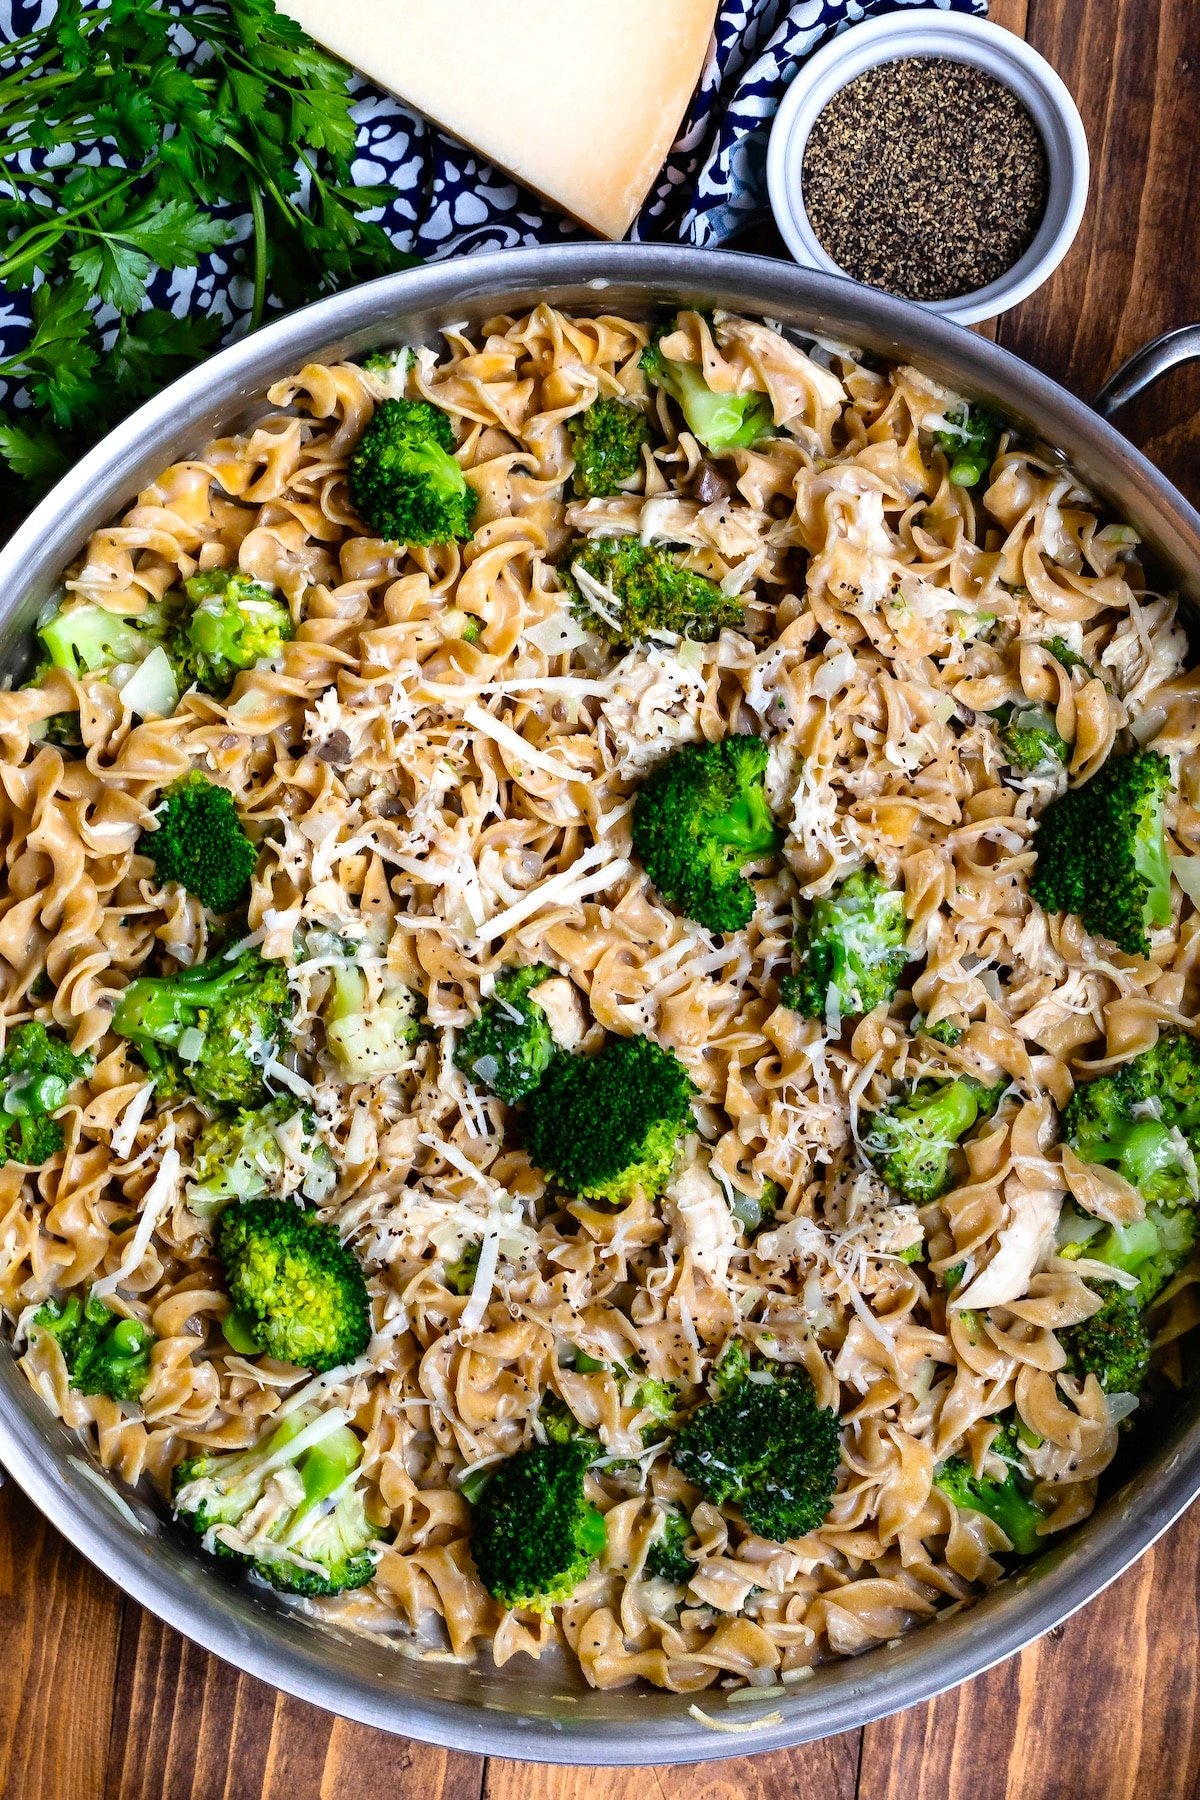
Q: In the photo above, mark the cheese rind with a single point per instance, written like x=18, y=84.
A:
x=579, y=99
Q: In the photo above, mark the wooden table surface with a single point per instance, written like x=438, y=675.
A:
x=98, y=1701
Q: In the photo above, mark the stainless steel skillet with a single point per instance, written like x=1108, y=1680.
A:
x=537, y=1711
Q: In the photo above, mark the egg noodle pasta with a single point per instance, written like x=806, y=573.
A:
x=438, y=772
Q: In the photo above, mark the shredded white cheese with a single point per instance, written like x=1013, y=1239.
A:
x=125, y=1131
x=161, y=1196
x=472, y=1314
x=569, y=885
x=528, y=755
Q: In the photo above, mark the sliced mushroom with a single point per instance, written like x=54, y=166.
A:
x=709, y=484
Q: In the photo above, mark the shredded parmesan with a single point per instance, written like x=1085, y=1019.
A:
x=563, y=889
x=125, y=1131
x=485, y=1274
x=528, y=755
x=732, y=1725
x=161, y=1196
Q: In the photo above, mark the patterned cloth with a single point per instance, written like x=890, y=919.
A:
x=449, y=201
x=714, y=181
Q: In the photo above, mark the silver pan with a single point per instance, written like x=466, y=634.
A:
x=528, y=1710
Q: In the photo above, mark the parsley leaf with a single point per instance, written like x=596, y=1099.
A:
x=35, y=456
x=214, y=108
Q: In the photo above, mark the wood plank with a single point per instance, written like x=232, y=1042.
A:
x=189, y=1727
x=824, y=1771
x=1103, y=1706
x=60, y=1623
x=1133, y=271
x=1013, y=15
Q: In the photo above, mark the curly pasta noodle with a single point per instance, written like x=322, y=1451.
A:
x=454, y=803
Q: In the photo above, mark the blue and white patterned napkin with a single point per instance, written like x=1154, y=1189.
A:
x=449, y=201
x=712, y=185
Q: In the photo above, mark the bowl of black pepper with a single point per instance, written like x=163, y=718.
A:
x=934, y=156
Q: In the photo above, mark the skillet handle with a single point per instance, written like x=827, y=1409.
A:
x=1146, y=366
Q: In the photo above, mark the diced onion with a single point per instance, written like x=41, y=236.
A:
x=556, y=634
x=1186, y=870
x=151, y=690
x=1119, y=1406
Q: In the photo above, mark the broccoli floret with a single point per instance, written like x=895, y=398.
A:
x=459, y=1275
x=720, y=422
x=755, y=1214
x=767, y=1447
x=210, y=1028
x=36, y=1071
x=1113, y=1345
x=534, y=1534
x=944, y=1032
x=509, y=1046
x=298, y=1293
x=370, y=1034
x=31, y=1141
x=851, y=950
x=86, y=639
x=697, y=819
x=390, y=369
x=667, y=1558
x=606, y=442
x=560, y=1426
x=39, y=1065
x=105, y=1353
x=403, y=477
x=1154, y=1248
x=660, y=1399
x=1143, y=1119
x=199, y=842
x=730, y=1369
x=604, y=1126
x=1006, y=1503
x=136, y=652
x=912, y=1137
x=243, y=1156
x=230, y=623
x=1062, y=653
x=1101, y=852
x=627, y=591
x=969, y=444
x=60, y=729
x=316, y=1536
x=1029, y=737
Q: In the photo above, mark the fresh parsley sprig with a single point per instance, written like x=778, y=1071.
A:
x=132, y=135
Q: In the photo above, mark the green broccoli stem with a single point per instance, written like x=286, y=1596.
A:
x=240, y=1332
x=953, y=1111
x=746, y=824
x=1006, y=1502
x=721, y=422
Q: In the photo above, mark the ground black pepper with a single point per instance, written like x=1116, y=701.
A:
x=926, y=177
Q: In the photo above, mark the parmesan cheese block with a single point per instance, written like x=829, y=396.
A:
x=580, y=99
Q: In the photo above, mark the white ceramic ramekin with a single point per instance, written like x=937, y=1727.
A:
x=960, y=38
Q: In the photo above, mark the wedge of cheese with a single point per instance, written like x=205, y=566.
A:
x=580, y=99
